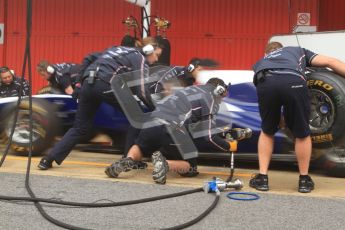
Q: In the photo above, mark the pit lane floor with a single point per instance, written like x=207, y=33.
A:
x=81, y=178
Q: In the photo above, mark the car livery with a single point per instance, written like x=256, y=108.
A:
x=53, y=114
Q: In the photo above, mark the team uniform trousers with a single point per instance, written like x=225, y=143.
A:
x=290, y=92
x=91, y=98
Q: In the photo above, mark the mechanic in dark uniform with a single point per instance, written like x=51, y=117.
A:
x=96, y=89
x=10, y=85
x=189, y=73
x=281, y=82
x=63, y=76
x=181, y=76
x=186, y=106
x=166, y=84
x=171, y=79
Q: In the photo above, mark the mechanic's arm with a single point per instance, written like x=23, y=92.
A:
x=215, y=140
x=141, y=71
x=209, y=125
x=330, y=62
x=66, y=84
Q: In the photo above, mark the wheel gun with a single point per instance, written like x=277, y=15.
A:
x=216, y=185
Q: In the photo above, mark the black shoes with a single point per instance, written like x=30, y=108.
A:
x=305, y=184
x=259, y=182
x=160, y=168
x=138, y=165
x=125, y=164
x=45, y=163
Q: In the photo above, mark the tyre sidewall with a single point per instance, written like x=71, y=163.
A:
x=44, y=114
x=332, y=85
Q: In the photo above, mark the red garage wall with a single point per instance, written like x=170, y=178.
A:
x=332, y=15
x=232, y=31
x=64, y=30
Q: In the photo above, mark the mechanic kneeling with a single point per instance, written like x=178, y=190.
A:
x=186, y=106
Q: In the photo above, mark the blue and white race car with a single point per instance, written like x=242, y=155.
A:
x=53, y=114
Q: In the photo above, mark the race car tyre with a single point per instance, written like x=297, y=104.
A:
x=327, y=124
x=327, y=91
x=331, y=160
x=49, y=90
x=44, y=126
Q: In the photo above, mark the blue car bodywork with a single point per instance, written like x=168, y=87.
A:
x=240, y=109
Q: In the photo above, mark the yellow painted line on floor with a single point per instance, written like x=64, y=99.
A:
x=106, y=164
x=87, y=163
x=226, y=173
x=21, y=158
x=65, y=162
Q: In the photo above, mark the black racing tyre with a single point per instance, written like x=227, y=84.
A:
x=327, y=118
x=45, y=124
x=327, y=121
x=49, y=90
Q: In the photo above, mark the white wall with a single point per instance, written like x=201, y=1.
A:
x=233, y=76
x=326, y=43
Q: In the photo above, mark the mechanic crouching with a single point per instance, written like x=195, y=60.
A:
x=189, y=106
x=62, y=77
x=172, y=78
x=95, y=89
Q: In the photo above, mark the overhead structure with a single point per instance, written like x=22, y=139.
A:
x=146, y=13
x=141, y=3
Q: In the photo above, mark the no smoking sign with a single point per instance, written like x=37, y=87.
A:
x=303, y=19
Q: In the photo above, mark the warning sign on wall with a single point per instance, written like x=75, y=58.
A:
x=2, y=33
x=303, y=19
